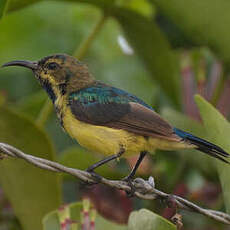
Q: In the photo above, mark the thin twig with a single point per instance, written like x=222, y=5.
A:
x=83, y=48
x=45, y=112
x=142, y=189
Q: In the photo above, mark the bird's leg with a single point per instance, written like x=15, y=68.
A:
x=130, y=177
x=91, y=168
x=134, y=169
x=105, y=160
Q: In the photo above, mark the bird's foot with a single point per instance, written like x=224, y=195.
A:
x=129, y=180
x=138, y=184
x=96, y=177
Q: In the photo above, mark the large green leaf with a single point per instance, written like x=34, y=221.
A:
x=218, y=130
x=147, y=220
x=51, y=221
x=3, y=6
x=32, y=105
x=18, y=4
x=143, y=7
x=205, y=22
x=32, y=192
x=194, y=157
x=153, y=48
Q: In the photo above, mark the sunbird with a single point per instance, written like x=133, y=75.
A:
x=106, y=119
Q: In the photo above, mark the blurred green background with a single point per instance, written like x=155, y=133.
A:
x=164, y=52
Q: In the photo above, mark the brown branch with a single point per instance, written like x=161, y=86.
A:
x=142, y=189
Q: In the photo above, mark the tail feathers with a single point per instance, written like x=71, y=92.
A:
x=203, y=145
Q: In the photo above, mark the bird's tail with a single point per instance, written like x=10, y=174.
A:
x=203, y=145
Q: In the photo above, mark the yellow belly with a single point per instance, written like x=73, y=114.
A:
x=109, y=141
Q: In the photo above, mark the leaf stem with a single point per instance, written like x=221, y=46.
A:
x=81, y=51
x=78, y=53
x=219, y=89
x=5, y=8
x=44, y=113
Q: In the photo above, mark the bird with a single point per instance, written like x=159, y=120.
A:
x=106, y=119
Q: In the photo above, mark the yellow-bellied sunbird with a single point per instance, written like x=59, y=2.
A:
x=106, y=119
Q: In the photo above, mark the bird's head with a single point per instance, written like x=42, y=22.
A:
x=58, y=74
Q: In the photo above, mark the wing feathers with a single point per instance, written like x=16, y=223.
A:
x=143, y=121
x=122, y=113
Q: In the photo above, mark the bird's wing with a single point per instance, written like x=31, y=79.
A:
x=120, y=110
x=146, y=122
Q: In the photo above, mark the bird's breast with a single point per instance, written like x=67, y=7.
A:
x=60, y=105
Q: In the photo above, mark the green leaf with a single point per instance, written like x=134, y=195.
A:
x=218, y=129
x=153, y=48
x=102, y=223
x=3, y=7
x=147, y=220
x=32, y=105
x=51, y=221
x=54, y=219
x=32, y=192
x=141, y=6
x=104, y=4
x=194, y=157
x=204, y=22
x=18, y=4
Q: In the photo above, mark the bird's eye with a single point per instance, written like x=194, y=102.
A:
x=52, y=65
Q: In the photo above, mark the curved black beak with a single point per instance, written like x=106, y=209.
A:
x=28, y=64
